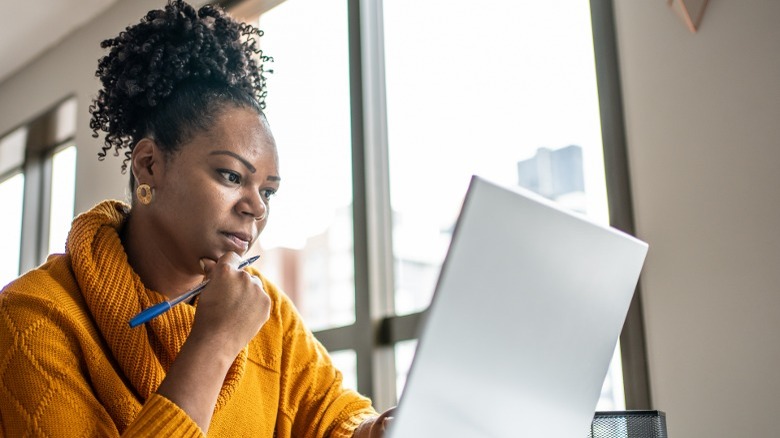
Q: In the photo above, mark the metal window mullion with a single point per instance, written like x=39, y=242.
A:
x=396, y=328
x=379, y=209
x=621, y=215
x=47, y=163
x=338, y=338
x=373, y=219
x=32, y=220
x=376, y=164
x=36, y=204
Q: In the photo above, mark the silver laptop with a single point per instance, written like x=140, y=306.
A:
x=529, y=305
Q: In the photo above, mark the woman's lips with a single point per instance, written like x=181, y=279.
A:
x=239, y=240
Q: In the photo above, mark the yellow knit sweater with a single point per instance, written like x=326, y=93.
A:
x=70, y=365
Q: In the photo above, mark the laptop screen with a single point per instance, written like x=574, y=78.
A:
x=526, y=314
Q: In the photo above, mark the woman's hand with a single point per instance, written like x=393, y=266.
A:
x=231, y=310
x=233, y=306
x=375, y=427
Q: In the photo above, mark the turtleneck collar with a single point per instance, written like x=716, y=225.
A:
x=114, y=293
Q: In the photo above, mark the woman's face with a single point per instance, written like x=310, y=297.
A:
x=212, y=195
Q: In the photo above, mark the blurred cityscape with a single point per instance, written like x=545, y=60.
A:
x=328, y=277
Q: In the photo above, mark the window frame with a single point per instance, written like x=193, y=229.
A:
x=12, y=172
x=636, y=381
x=376, y=329
x=44, y=139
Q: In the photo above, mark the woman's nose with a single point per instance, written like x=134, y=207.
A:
x=253, y=205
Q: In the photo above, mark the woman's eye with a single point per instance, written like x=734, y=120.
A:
x=230, y=176
x=268, y=193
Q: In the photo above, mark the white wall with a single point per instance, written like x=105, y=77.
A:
x=69, y=69
x=703, y=126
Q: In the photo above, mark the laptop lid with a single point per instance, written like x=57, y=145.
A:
x=529, y=305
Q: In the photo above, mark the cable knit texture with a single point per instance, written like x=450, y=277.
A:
x=70, y=365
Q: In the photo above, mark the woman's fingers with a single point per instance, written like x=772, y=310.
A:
x=233, y=306
x=207, y=264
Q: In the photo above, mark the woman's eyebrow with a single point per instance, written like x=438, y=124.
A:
x=237, y=157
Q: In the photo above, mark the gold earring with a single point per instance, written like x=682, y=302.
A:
x=144, y=194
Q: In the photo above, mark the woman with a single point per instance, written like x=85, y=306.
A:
x=182, y=97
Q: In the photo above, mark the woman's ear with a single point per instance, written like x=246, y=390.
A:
x=145, y=160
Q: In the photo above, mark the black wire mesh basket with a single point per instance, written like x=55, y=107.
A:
x=628, y=424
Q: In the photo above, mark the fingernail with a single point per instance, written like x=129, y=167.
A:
x=202, y=265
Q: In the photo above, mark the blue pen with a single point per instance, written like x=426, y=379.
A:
x=158, y=309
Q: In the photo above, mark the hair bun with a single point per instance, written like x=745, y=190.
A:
x=148, y=60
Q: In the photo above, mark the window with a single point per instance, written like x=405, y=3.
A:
x=63, y=196
x=382, y=110
x=11, y=196
x=346, y=361
x=478, y=94
x=37, y=187
x=308, y=242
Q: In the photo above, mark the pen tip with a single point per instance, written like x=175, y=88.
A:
x=248, y=261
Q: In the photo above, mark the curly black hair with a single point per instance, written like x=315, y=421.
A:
x=169, y=75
